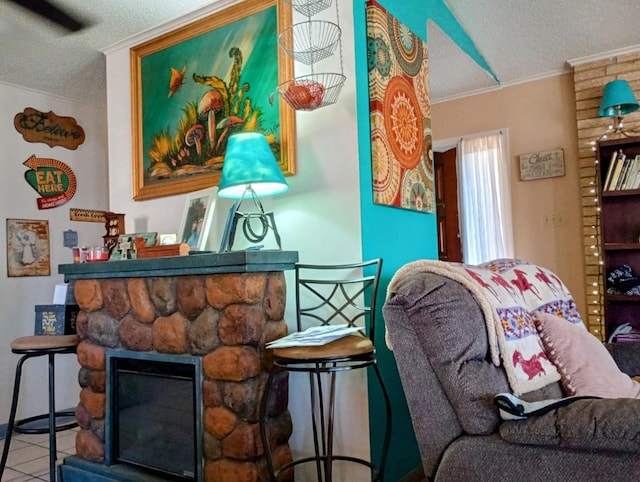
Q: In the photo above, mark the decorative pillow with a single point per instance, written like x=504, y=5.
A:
x=585, y=365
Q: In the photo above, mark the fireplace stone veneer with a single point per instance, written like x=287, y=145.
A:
x=223, y=317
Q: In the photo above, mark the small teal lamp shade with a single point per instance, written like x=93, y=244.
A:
x=618, y=99
x=250, y=163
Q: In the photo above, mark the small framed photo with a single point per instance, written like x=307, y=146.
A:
x=196, y=218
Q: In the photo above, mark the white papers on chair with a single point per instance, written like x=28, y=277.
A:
x=314, y=336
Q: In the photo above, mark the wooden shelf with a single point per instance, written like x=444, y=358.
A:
x=621, y=192
x=622, y=298
x=621, y=246
x=619, y=225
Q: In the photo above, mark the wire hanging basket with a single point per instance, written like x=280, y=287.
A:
x=313, y=91
x=310, y=42
x=309, y=8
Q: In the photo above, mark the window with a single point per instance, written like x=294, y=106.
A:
x=485, y=198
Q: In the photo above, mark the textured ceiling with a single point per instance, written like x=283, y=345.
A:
x=520, y=39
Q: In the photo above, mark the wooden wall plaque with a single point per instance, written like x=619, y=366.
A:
x=540, y=165
x=49, y=128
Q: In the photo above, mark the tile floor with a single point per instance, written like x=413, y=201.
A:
x=29, y=455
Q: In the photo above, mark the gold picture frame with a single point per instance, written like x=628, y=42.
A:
x=186, y=100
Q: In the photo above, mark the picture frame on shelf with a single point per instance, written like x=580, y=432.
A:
x=125, y=245
x=194, y=86
x=196, y=219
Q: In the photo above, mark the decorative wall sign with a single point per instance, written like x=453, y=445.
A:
x=70, y=238
x=399, y=106
x=52, y=179
x=87, y=215
x=539, y=165
x=36, y=126
x=28, y=248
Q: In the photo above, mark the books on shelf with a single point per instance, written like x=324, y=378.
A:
x=623, y=172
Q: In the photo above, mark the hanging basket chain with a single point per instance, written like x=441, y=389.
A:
x=340, y=40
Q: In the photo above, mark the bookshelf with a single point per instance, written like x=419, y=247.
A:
x=619, y=193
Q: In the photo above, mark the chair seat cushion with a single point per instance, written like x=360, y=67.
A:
x=350, y=345
x=598, y=424
x=44, y=342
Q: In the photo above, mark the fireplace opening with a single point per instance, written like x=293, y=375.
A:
x=153, y=413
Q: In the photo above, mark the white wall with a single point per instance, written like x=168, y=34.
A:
x=319, y=216
x=18, y=200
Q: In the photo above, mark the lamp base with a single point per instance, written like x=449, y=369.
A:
x=265, y=222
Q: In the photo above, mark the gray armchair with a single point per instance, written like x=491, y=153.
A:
x=438, y=336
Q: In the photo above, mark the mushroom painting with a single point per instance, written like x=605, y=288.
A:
x=228, y=124
x=219, y=84
x=223, y=107
x=209, y=105
x=194, y=136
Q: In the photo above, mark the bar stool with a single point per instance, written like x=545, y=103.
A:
x=330, y=295
x=31, y=347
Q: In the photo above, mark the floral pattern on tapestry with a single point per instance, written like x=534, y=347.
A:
x=400, y=116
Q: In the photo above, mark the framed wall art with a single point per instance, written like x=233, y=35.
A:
x=196, y=219
x=195, y=86
x=400, y=114
x=28, y=252
x=540, y=165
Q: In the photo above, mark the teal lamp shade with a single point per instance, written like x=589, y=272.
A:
x=618, y=99
x=249, y=162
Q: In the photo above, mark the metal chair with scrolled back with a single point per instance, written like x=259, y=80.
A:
x=330, y=295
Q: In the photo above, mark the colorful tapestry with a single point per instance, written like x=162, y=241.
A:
x=401, y=146
x=508, y=292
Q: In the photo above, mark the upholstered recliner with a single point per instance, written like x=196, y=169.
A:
x=437, y=330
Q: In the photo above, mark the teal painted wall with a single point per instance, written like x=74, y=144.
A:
x=398, y=236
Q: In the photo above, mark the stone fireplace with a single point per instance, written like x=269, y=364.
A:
x=222, y=316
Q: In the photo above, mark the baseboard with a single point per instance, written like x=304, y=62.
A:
x=416, y=475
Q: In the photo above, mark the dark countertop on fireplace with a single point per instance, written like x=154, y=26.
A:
x=248, y=261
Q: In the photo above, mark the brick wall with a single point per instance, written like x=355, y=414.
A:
x=589, y=81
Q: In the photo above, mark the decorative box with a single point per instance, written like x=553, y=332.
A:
x=56, y=319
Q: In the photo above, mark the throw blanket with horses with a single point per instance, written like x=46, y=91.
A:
x=508, y=292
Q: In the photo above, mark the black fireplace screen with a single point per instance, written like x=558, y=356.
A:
x=154, y=415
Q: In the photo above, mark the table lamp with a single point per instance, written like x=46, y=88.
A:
x=249, y=169
x=618, y=100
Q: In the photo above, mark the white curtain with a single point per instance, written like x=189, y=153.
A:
x=484, y=198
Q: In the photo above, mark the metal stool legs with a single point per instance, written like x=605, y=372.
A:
x=17, y=426
x=12, y=415
x=388, y=427
x=322, y=426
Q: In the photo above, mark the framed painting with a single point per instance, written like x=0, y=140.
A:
x=196, y=218
x=28, y=252
x=195, y=86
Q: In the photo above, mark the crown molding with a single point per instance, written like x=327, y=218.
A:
x=604, y=55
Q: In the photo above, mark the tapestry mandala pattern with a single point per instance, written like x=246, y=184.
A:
x=400, y=115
